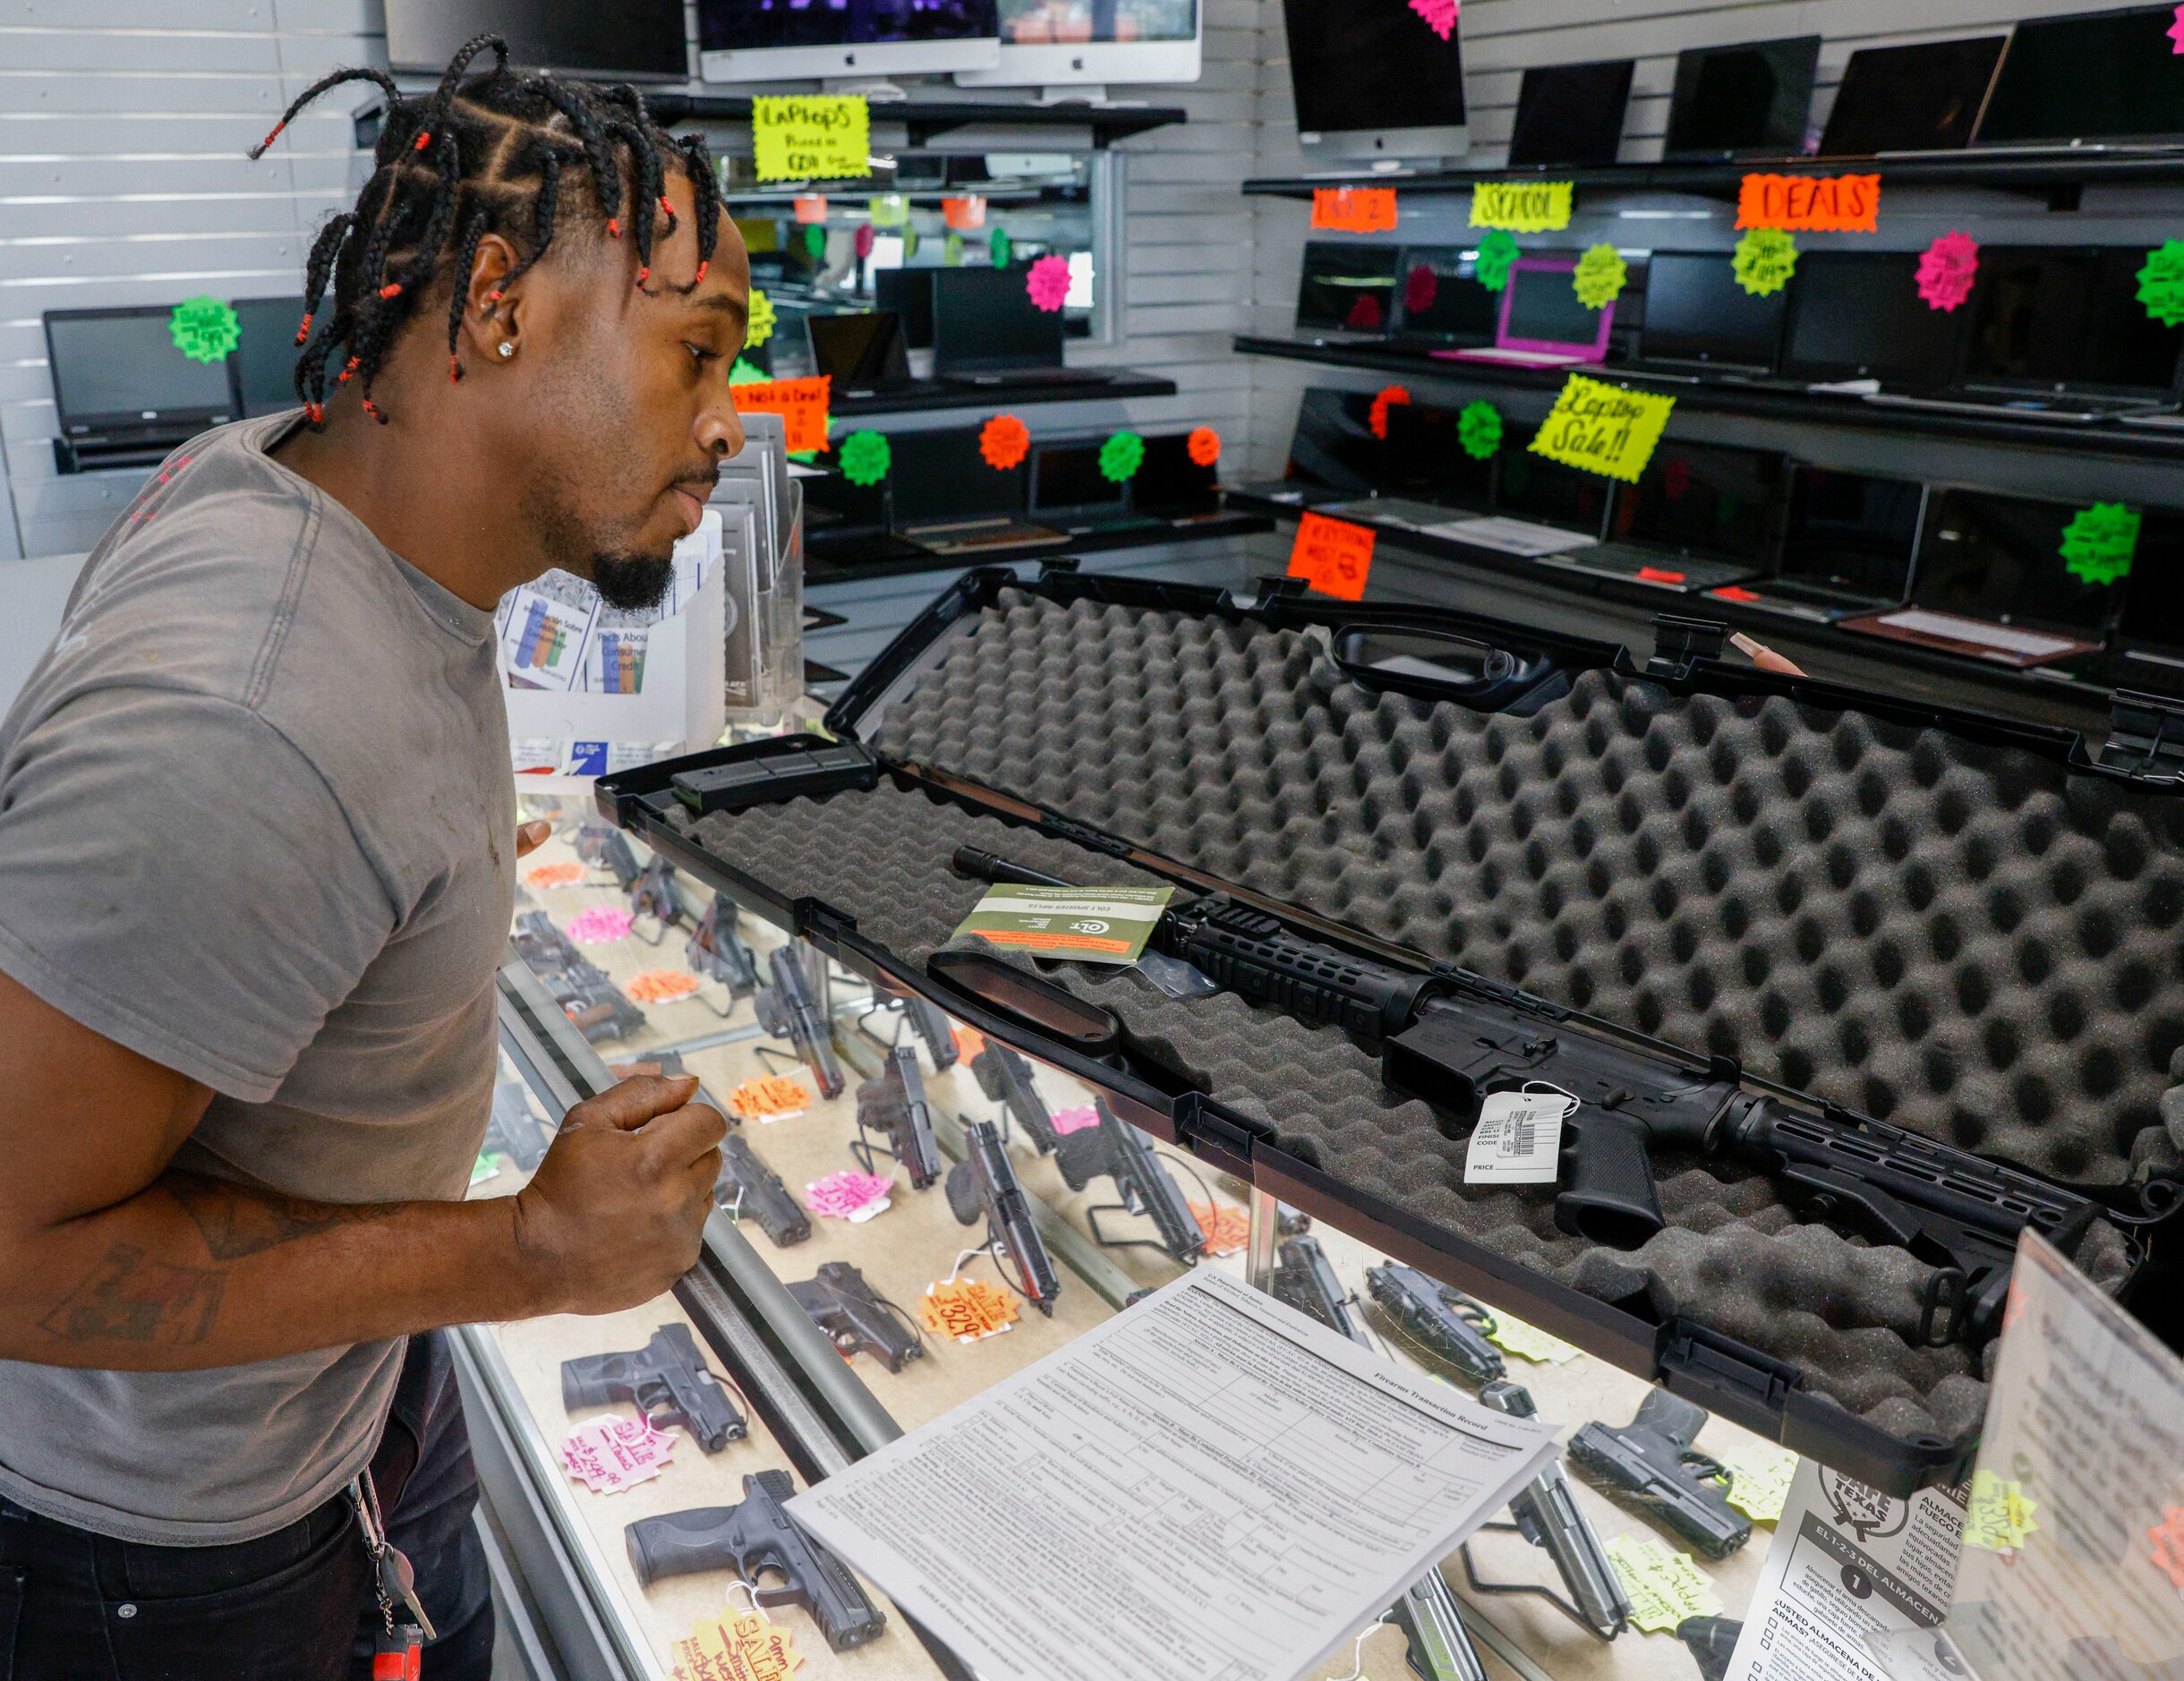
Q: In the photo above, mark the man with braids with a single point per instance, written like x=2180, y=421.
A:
x=257, y=845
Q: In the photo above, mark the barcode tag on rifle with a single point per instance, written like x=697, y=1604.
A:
x=1518, y=1139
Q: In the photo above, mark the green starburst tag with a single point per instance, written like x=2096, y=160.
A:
x=866, y=458
x=1478, y=428
x=204, y=330
x=1121, y=457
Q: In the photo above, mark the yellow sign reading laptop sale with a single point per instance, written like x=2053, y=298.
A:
x=1604, y=429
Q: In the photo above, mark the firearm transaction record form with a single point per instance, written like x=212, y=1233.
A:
x=1210, y=1487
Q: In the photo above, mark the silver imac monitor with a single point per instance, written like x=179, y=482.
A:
x=1375, y=82
x=784, y=40
x=1054, y=43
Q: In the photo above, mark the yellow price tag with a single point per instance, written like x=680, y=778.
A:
x=1759, y=1474
x=1606, y=429
x=1998, y=1517
x=735, y=1646
x=1665, y=1588
x=1529, y=1342
x=811, y=136
x=1523, y=207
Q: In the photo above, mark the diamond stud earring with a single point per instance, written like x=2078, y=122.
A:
x=506, y=350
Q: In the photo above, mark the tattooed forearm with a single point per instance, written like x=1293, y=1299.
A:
x=130, y=1298
x=236, y=1221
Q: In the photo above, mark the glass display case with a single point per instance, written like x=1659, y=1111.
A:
x=832, y=1319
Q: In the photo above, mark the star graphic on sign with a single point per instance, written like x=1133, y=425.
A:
x=2176, y=30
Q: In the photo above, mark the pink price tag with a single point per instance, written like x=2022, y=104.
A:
x=610, y=1455
x=1048, y=282
x=848, y=1195
x=1946, y=270
x=1077, y=1119
x=603, y=925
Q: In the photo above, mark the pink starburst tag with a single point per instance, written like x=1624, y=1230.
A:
x=1048, y=282
x=1440, y=15
x=1946, y=269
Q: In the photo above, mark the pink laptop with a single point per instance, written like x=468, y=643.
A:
x=1543, y=323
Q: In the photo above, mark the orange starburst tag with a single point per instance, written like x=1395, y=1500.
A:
x=1376, y=417
x=773, y=1098
x=1004, y=441
x=1227, y=1230
x=661, y=986
x=967, y=1308
x=554, y=875
x=735, y=1647
x=1204, y=445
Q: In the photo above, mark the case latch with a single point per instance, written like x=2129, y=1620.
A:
x=1724, y=1375
x=1680, y=644
x=1067, y=566
x=2146, y=736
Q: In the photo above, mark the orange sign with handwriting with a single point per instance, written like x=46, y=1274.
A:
x=802, y=405
x=1353, y=210
x=1333, y=556
x=1818, y=204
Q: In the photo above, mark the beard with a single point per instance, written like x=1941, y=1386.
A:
x=632, y=583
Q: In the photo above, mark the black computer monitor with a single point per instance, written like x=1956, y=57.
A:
x=2065, y=317
x=984, y=321
x=1710, y=501
x=1439, y=297
x=1531, y=487
x=1748, y=100
x=863, y=352
x=119, y=370
x=1373, y=80
x=1171, y=483
x=1544, y=308
x=1696, y=312
x=906, y=294
x=941, y=476
x=2153, y=614
x=2097, y=76
x=263, y=361
x=1066, y=481
x=1426, y=458
x=1857, y=315
x=1924, y=98
x=1345, y=288
x=632, y=38
x=1334, y=443
x=1570, y=114
x=1851, y=535
x=2000, y=558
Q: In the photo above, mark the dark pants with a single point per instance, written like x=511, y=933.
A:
x=296, y=1605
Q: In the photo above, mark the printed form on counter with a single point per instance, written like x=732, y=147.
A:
x=1211, y=1485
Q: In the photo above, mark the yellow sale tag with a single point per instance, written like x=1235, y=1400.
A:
x=811, y=136
x=1529, y=1341
x=735, y=1646
x=1998, y=1517
x=1604, y=429
x=1522, y=207
x=1665, y=1588
x=1760, y=1475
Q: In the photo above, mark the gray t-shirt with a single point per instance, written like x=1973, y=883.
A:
x=257, y=823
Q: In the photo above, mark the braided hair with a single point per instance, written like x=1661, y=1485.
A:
x=482, y=153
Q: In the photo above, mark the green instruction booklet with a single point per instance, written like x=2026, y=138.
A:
x=1087, y=925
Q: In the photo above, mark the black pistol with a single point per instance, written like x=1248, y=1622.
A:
x=1651, y=1466
x=667, y=1382
x=653, y=895
x=984, y=1182
x=756, y=1539
x=850, y=1311
x=1126, y=1156
x=511, y=1130
x=931, y=1026
x=1439, y=1318
x=715, y=951
x=1005, y=1079
x=787, y=1010
x=602, y=847
x=895, y=1106
x=749, y=1190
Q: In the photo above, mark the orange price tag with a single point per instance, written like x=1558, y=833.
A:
x=1353, y=210
x=968, y=1309
x=661, y=986
x=963, y=215
x=1819, y=204
x=771, y=1098
x=1333, y=556
x=1227, y=1230
x=971, y=1044
x=809, y=207
x=735, y=1646
x=802, y=405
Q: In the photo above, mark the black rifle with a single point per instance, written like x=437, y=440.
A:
x=1711, y=1642
x=511, y=1130
x=1304, y=1278
x=1451, y=1038
x=652, y=895
x=1005, y=1079
x=850, y=1311
x=1651, y=1466
x=1548, y=1515
x=787, y=1011
x=1438, y=1316
x=667, y=1382
x=715, y=951
x=985, y=1181
x=894, y=1106
x=757, y=1538
x=605, y=848
x=1127, y=1157
x=749, y=1190
x=931, y=1026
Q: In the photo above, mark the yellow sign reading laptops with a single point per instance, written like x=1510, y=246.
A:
x=812, y=137
x=1604, y=429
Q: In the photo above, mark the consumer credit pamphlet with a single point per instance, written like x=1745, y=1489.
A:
x=1210, y=1487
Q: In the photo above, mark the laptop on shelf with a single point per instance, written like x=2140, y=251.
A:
x=864, y=354
x=1701, y=515
x=1571, y=115
x=1992, y=583
x=1170, y=486
x=2095, y=77
x=263, y=361
x=947, y=499
x=1543, y=323
x=1346, y=289
x=1439, y=303
x=2149, y=641
x=1698, y=318
x=1923, y=97
x=1540, y=506
x=1332, y=454
x=1848, y=544
x=1428, y=480
x=124, y=395
x=987, y=331
x=1856, y=316
x=1071, y=494
x=1743, y=100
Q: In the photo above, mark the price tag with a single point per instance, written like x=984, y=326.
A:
x=968, y=1309
x=1604, y=429
x=1522, y=207
x=1518, y=1141
x=610, y=1455
x=1529, y=1342
x=1333, y=556
x=802, y=405
x=812, y=137
x=1998, y=1517
x=735, y=1646
x=1760, y=1476
x=1353, y=210
x=1227, y=1230
x=1665, y=1588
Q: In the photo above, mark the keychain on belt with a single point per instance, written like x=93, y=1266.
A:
x=397, y=1652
